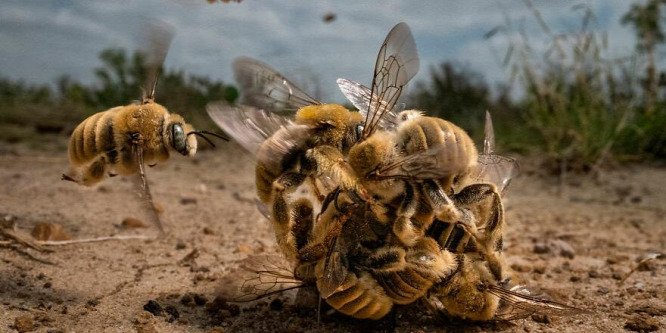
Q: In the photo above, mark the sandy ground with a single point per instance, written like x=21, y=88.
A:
x=576, y=244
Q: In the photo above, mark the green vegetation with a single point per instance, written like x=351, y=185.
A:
x=577, y=106
x=26, y=109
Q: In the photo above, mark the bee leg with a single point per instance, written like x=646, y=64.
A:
x=329, y=161
x=444, y=207
x=95, y=172
x=68, y=178
x=283, y=217
x=386, y=260
x=484, y=197
x=403, y=227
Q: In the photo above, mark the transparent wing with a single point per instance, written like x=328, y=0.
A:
x=493, y=168
x=158, y=37
x=360, y=95
x=433, y=163
x=517, y=303
x=265, y=88
x=258, y=277
x=397, y=62
x=335, y=272
x=249, y=126
x=144, y=189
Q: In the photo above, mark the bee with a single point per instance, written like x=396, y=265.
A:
x=314, y=143
x=122, y=140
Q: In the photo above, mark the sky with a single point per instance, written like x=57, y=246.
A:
x=43, y=40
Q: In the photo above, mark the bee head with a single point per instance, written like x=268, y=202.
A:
x=464, y=294
x=333, y=123
x=181, y=136
x=178, y=138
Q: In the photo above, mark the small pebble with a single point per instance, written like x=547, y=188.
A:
x=200, y=300
x=541, y=248
x=276, y=304
x=244, y=248
x=188, y=201
x=154, y=308
x=642, y=323
x=45, y=231
x=24, y=323
x=208, y=231
x=180, y=245
x=172, y=313
x=130, y=222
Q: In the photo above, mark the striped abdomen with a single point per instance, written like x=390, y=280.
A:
x=360, y=297
x=92, y=137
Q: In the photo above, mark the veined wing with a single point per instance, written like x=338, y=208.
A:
x=360, y=95
x=397, y=62
x=517, y=303
x=493, y=168
x=265, y=88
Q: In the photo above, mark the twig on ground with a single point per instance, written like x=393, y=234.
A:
x=18, y=238
x=96, y=239
x=649, y=257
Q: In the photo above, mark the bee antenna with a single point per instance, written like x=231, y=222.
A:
x=201, y=134
x=152, y=92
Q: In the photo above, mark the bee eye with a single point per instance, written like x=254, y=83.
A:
x=359, y=130
x=178, y=141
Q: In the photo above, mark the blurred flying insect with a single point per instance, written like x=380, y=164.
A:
x=122, y=140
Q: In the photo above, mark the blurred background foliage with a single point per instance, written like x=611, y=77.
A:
x=575, y=106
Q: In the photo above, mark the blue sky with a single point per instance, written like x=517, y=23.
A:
x=42, y=40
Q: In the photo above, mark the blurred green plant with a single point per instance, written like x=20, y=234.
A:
x=119, y=82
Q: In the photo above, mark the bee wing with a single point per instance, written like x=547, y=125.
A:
x=491, y=167
x=258, y=277
x=144, y=189
x=433, y=163
x=158, y=37
x=265, y=88
x=360, y=95
x=397, y=62
x=518, y=302
x=335, y=271
x=249, y=126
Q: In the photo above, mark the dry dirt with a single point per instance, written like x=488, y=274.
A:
x=576, y=244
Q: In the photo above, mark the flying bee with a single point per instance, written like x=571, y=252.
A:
x=122, y=140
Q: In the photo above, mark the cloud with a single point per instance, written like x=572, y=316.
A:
x=43, y=41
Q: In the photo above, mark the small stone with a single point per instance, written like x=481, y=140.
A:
x=244, y=248
x=47, y=285
x=24, y=323
x=642, y=323
x=603, y=291
x=565, y=249
x=154, y=308
x=159, y=209
x=200, y=300
x=180, y=245
x=574, y=278
x=130, y=222
x=41, y=276
x=187, y=299
x=8, y=221
x=45, y=231
x=541, y=248
x=276, y=304
x=593, y=274
x=188, y=201
x=539, y=270
x=618, y=276
x=208, y=231
x=172, y=313
x=93, y=302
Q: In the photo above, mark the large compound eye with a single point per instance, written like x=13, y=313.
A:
x=178, y=141
x=359, y=131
